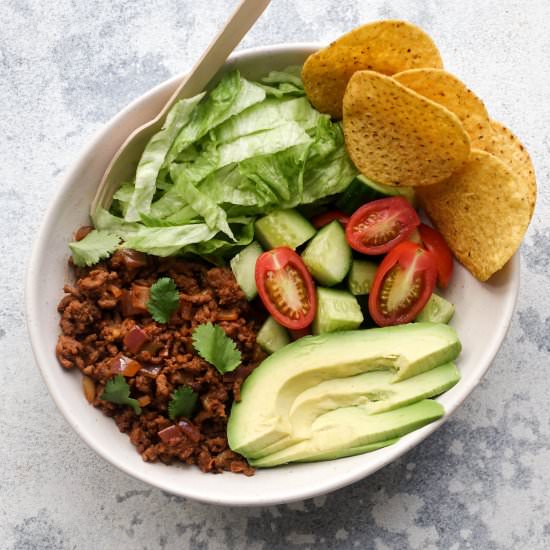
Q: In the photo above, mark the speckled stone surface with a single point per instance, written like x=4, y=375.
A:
x=482, y=481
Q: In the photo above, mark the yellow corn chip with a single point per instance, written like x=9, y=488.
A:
x=395, y=45
x=482, y=211
x=398, y=137
x=447, y=90
x=386, y=47
x=326, y=74
x=507, y=147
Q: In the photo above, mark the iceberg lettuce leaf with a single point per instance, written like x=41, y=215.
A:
x=232, y=95
x=242, y=149
x=267, y=115
x=154, y=156
x=167, y=241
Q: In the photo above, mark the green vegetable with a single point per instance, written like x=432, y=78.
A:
x=214, y=346
x=164, y=299
x=183, y=402
x=154, y=155
x=166, y=241
x=95, y=246
x=187, y=122
x=281, y=83
x=328, y=169
x=231, y=96
x=122, y=197
x=108, y=222
x=242, y=149
x=267, y=115
x=220, y=247
x=117, y=391
x=289, y=75
x=214, y=216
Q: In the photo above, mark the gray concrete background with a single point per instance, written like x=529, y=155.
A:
x=482, y=481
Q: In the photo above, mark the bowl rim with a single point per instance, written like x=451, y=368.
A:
x=295, y=494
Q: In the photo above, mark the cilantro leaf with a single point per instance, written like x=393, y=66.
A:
x=214, y=346
x=164, y=299
x=95, y=246
x=117, y=391
x=182, y=403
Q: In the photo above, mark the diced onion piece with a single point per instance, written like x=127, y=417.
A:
x=152, y=347
x=88, y=386
x=171, y=435
x=151, y=371
x=144, y=400
x=125, y=366
x=191, y=431
x=230, y=315
x=135, y=338
x=133, y=259
x=134, y=301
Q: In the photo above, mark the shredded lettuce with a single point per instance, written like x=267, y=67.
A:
x=221, y=158
x=230, y=97
x=214, y=216
x=154, y=155
x=284, y=83
x=167, y=241
x=267, y=115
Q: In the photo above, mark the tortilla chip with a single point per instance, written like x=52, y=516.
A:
x=326, y=73
x=447, y=90
x=398, y=137
x=507, y=147
x=482, y=211
x=395, y=45
x=386, y=47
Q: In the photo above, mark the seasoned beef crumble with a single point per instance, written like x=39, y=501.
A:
x=108, y=300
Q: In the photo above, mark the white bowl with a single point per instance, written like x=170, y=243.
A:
x=483, y=314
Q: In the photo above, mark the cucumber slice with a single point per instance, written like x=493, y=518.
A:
x=362, y=190
x=361, y=276
x=336, y=310
x=328, y=255
x=436, y=310
x=272, y=336
x=243, y=266
x=283, y=228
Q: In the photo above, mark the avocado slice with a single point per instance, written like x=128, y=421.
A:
x=262, y=417
x=337, y=432
x=374, y=391
x=351, y=451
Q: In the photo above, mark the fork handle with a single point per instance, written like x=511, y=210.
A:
x=240, y=22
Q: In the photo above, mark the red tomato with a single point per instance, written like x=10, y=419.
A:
x=403, y=283
x=286, y=288
x=435, y=243
x=324, y=219
x=379, y=225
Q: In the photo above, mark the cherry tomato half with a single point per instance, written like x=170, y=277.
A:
x=286, y=287
x=324, y=219
x=403, y=283
x=379, y=225
x=435, y=243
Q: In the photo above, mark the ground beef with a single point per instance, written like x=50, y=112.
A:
x=106, y=303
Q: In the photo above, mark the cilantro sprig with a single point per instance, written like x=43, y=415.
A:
x=183, y=403
x=95, y=246
x=117, y=391
x=164, y=299
x=214, y=346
